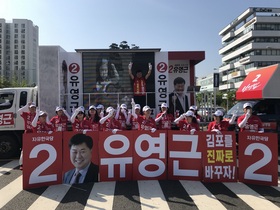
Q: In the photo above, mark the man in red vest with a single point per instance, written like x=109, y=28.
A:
x=139, y=84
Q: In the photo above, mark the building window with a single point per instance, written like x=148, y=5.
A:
x=16, y=41
x=16, y=30
x=16, y=57
x=16, y=25
x=23, y=25
x=23, y=52
x=22, y=46
x=23, y=36
x=16, y=52
x=16, y=47
x=16, y=36
x=23, y=31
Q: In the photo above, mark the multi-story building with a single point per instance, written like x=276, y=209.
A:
x=250, y=41
x=19, y=50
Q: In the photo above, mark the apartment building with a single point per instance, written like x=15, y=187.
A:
x=19, y=50
x=249, y=42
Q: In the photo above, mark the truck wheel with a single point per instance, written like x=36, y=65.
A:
x=9, y=147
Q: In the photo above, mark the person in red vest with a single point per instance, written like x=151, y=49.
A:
x=249, y=122
x=145, y=121
x=109, y=123
x=28, y=113
x=219, y=124
x=164, y=119
x=139, y=84
x=78, y=121
x=93, y=117
x=122, y=115
x=41, y=123
x=59, y=121
x=187, y=122
x=132, y=118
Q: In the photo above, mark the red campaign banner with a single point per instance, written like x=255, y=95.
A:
x=219, y=156
x=258, y=158
x=184, y=156
x=116, y=156
x=42, y=159
x=7, y=119
x=149, y=157
x=67, y=159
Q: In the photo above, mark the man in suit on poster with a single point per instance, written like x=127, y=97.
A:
x=80, y=155
x=178, y=100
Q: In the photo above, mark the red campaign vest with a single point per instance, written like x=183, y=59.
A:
x=139, y=86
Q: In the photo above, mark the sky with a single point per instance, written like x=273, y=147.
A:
x=172, y=25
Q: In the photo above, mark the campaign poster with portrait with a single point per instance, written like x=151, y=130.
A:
x=107, y=80
x=78, y=156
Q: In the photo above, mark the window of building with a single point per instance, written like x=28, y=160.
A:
x=16, y=57
x=16, y=46
x=23, y=52
x=23, y=36
x=16, y=25
x=16, y=30
x=23, y=25
x=16, y=41
x=23, y=31
x=22, y=46
x=22, y=41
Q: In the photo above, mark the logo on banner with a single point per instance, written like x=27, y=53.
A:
x=74, y=68
x=162, y=67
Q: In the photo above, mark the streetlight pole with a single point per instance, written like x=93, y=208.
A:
x=216, y=79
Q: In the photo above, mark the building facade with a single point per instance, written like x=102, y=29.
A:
x=249, y=42
x=19, y=50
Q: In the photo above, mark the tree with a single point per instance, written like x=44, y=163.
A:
x=123, y=46
x=114, y=46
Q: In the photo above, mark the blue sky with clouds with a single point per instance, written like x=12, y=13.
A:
x=177, y=25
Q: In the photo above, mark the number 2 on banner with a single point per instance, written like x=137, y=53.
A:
x=35, y=175
x=250, y=171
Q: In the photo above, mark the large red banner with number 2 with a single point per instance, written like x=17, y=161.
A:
x=135, y=155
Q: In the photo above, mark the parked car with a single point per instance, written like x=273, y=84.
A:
x=267, y=109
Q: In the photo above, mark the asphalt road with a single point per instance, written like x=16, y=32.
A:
x=136, y=195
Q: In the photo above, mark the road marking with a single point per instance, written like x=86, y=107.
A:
x=151, y=195
x=8, y=167
x=201, y=196
x=252, y=198
x=8, y=192
x=102, y=193
x=51, y=197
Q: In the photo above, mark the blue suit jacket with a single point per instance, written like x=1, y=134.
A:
x=91, y=175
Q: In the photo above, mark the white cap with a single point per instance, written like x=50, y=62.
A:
x=82, y=109
x=218, y=113
x=189, y=114
x=146, y=108
x=137, y=106
x=91, y=107
x=164, y=105
x=246, y=105
x=100, y=106
x=109, y=108
x=58, y=108
x=193, y=108
x=41, y=113
x=123, y=106
x=32, y=104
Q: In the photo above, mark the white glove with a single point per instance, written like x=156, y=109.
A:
x=153, y=130
x=192, y=131
x=37, y=111
x=111, y=112
x=217, y=131
x=150, y=66
x=247, y=115
x=101, y=114
x=85, y=131
x=114, y=131
x=130, y=65
x=50, y=132
x=132, y=103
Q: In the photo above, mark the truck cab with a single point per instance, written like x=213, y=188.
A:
x=11, y=124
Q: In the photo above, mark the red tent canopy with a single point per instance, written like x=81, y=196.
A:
x=261, y=84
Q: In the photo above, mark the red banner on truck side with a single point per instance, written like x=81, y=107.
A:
x=258, y=158
x=219, y=157
x=42, y=159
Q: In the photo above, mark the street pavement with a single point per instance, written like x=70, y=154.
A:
x=163, y=195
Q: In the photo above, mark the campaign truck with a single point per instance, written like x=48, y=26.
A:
x=91, y=77
x=261, y=89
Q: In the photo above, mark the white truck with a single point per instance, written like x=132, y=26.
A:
x=50, y=92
